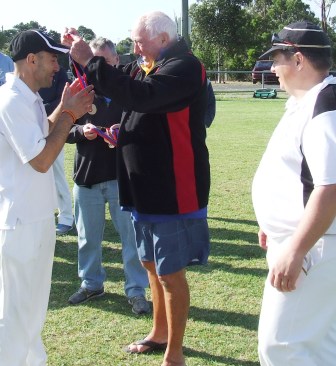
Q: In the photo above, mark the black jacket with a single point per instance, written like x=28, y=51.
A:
x=162, y=158
x=95, y=162
x=52, y=96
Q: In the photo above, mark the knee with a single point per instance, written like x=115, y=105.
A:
x=165, y=281
x=171, y=280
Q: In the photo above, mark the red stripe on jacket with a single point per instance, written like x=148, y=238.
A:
x=183, y=160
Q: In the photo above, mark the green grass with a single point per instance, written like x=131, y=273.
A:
x=225, y=294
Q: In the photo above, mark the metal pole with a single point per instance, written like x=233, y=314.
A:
x=185, y=20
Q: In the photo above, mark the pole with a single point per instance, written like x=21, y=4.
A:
x=185, y=20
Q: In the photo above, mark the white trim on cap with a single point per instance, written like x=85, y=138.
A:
x=303, y=29
x=300, y=45
x=64, y=50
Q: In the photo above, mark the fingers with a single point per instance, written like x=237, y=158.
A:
x=116, y=125
x=73, y=32
x=283, y=283
x=88, y=131
x=80, y=103
x=262, y=238
x=80, y=51
x=75, y=87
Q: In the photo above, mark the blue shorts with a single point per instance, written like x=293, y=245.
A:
x=173, y=245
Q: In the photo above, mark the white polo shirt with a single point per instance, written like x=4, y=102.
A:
x=302, y=149
x=25, y=194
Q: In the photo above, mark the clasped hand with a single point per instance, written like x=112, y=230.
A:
x=80, y=51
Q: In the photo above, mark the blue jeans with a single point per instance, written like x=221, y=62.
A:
x=90, y=222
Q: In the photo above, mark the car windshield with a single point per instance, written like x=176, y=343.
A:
x=264, y=64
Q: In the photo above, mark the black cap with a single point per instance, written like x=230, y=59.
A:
x=300, y=35
x=33, y=41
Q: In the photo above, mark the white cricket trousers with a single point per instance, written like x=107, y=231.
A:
x=26, y=257
x=298, y=328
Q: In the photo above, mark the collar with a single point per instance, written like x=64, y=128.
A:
x=175, y=49
x=148, y=67
x=311, y=95
x=15, y=82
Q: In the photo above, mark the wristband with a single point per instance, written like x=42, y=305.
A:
x=71, y=114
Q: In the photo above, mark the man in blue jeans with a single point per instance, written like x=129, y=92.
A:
x=96, y=185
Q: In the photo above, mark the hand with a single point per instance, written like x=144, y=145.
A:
x=89, y=133
x=80, y=51
x=285, y=271
x=75, y=87
x=66, y=37
x=262, y=239
x=112, y=132
x=79, y=103
x=113, y=127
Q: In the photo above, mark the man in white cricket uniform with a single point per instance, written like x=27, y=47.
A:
x=28, y=147
x=294, y=196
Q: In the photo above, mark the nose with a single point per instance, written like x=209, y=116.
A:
x=135, y=48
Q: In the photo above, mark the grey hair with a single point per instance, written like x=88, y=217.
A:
x=156, y=23
x=101, y=43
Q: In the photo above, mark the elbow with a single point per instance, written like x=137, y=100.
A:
x=40, y=166
x=42, y=169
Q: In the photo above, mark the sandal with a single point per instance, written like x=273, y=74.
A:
x=152, y=346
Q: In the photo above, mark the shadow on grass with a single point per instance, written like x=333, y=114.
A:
x=221, y=317
x=66, y=282
x=111, y=302
x=218, y=359
x=235, y=221
x=65, y=279
x=225, y=267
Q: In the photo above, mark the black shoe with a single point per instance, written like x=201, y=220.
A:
x=63, y=229
x=139, y=305
x=83, y=295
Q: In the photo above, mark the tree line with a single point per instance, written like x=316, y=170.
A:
x=225, y=34
x=233, y=34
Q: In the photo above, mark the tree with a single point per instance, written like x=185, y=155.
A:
x=219, y=25
x=236, y=33
x=31, y=25
x=125, y=46
x=8, y=35
x=87, y=33
x=325, y=7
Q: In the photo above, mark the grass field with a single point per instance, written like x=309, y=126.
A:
x=225, y=294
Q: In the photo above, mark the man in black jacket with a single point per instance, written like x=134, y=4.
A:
x=95, y=186
x=162, y=166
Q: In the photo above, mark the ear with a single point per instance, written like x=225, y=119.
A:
x=299, y=60
x=165, y=40
x=31, y=58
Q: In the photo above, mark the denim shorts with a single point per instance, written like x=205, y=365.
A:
x=173, y=245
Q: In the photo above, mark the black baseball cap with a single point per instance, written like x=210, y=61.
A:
x=300, y=35
x=33, y=41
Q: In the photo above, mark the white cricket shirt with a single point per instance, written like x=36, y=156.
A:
x=301, y=152
x=25, y=194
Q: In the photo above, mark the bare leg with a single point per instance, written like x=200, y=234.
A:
x=170, y=296
x=177, y=299
x=159, y=332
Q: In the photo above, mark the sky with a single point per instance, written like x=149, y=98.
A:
x=107, y=18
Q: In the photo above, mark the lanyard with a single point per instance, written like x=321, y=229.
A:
x=80, y=75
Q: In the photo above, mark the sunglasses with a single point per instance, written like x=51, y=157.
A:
x=276, y=40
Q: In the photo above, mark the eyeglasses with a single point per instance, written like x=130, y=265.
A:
x=276, y=40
